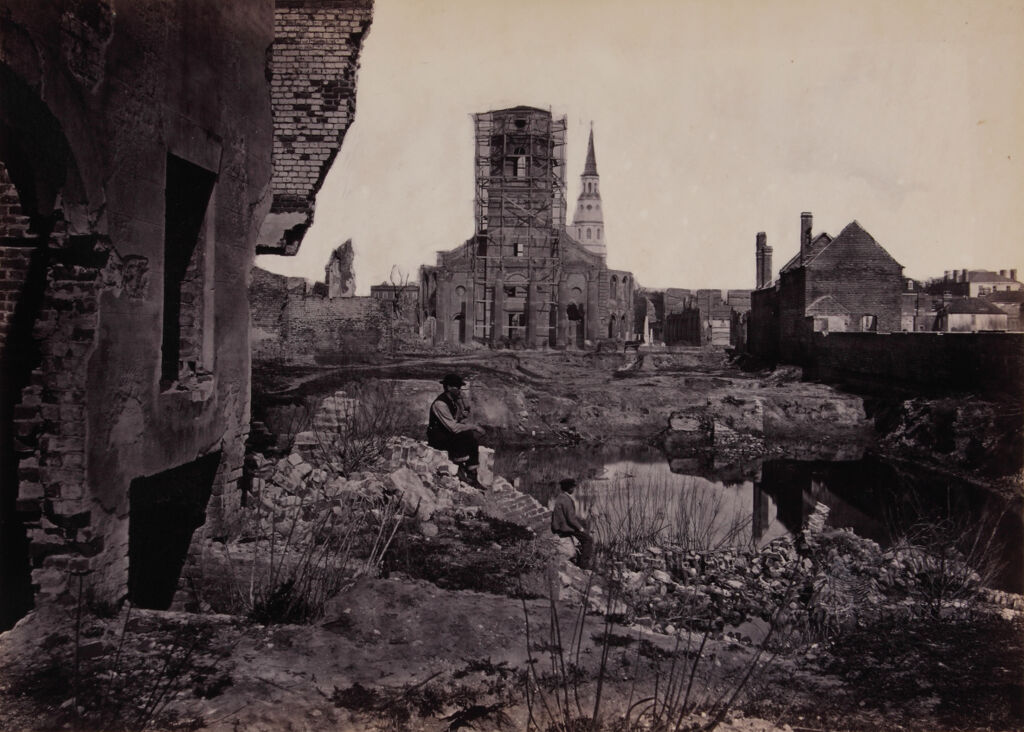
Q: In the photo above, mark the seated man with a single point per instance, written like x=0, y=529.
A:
x=447, y=429
x=565, y=523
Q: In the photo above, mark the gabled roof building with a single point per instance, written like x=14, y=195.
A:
x=846, y=283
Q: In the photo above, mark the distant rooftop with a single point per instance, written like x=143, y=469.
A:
x=971, y=306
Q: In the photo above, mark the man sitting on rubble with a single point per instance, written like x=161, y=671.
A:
x=567, y=524
x=447, y=429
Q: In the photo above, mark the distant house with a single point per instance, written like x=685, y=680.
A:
x=969, y=315
x=975, y=283
x=1011, y=303
x=849, y=283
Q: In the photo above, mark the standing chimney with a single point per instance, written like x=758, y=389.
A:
x=763, y=260
x=805, y=235
x=963, y=275
x=1002, y=273
x=945, y=275
x=1013, y=275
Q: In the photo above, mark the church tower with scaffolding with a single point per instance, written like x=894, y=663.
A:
x=588, y=221
x=523, y=280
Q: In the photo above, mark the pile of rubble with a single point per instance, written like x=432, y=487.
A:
x=823, y=581
x=420, y=477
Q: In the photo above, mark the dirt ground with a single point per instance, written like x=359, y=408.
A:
x=401, y=654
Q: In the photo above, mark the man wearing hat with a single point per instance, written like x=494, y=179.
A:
x=447, y=429
x=565, y=522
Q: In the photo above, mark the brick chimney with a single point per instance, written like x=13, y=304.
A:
x=945, y=276
x=763, y=260
x=963, y=275
x=805, y=235
x=1013, y=275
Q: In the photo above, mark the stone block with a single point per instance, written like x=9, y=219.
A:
x=485, y=473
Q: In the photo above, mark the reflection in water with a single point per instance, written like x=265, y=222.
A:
x=635, y=491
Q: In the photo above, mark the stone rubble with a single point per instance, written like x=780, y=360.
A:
x=664, y=588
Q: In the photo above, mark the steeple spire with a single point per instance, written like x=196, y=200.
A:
x=590, y=168
x=588, y=223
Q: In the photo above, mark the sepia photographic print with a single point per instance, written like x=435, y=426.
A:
x=579, y=366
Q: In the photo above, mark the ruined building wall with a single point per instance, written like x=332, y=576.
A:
x=130, y=104
x=297, y=324
x=921, y=362
x=140, y=143
x=315, y=61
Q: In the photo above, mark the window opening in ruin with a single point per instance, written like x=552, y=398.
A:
x=481, y=246
x=520, y=123
x=484, y=308
x=186, y=199
x=516, y=324
x=164, y=511
x=517, y=249
x=515, y=164
x=588, y=233
x=615, y=287
x=869, y=323
x=461, y=317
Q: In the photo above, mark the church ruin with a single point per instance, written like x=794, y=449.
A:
x=526, y=279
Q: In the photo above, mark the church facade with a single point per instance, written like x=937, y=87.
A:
x=525, y=279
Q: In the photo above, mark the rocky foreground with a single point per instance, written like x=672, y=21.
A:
x=396, y=597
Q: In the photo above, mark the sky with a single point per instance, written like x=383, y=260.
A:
x=713, y=120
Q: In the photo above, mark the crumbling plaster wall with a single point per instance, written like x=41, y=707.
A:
x=126, y=89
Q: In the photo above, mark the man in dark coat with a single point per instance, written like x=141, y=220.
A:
x=566, y=523
x=448, y=429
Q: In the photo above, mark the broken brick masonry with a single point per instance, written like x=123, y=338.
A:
x=144, y=149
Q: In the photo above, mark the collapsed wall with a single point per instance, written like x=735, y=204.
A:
x=138, y=145
x=295, y=323
x=313, y=71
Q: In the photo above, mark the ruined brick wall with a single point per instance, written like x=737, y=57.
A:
x=763, y=324
x=105, y=103
x=296, y=324
x=793, y=330
x=335, y=331
x=15, y=257
x=924, y=362
x=863, y=278
x=315, y=59
x=54, y=496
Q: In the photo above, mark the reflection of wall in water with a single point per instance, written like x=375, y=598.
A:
x=859, y=494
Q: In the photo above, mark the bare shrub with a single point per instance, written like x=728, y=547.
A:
x=285, y=421
x=630, y=515
x=950, y=560
x=296, y=552
x=353, y=428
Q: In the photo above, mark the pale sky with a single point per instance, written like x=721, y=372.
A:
x=713, y=120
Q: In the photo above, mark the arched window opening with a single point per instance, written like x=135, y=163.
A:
x=520, y=162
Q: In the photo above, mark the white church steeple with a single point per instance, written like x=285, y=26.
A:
x=588, y=221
